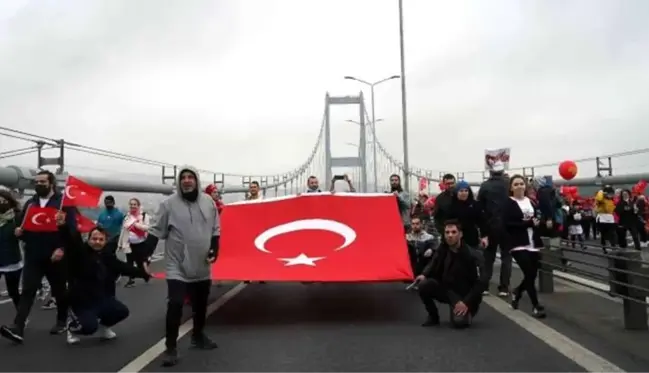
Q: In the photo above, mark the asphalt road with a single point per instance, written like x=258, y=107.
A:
x=354, y=328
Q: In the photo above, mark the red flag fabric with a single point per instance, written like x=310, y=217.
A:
x=80, y=194
x=314, y=237
x=40, y=219
x=84, y=224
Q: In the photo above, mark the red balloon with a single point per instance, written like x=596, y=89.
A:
x=568, y=170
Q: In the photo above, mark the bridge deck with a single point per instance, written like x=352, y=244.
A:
x=338, y=327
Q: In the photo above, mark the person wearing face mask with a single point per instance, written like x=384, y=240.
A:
x=111, y=218
x=11, y=260
x=92, y=269
x=522, y=220
x=43, y=253
x=627, y=213
x=189, y=223
x=403, y=200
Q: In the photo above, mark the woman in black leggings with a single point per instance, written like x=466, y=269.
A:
x=522, y=240
x=10, y=256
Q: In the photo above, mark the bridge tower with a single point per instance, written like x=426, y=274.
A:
x=360, y=160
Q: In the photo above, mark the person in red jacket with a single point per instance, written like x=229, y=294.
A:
x=213, y=191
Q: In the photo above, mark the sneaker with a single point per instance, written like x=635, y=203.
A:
x=203, y=342
x=485, y=293
x=71, y=338
x=130, y=283
x=12, y=333
x=170, y=357
x=515, y=301
x=4, y=293
x=539, y=312
x=49, y=305
x=503, y=293
x=431, y=321
x=106, y=334
x=59, y=328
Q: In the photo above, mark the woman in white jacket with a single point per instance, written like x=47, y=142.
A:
x=133, y=235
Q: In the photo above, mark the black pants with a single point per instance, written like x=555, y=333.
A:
x=588, y=226
x=33, y=273
x=12, y=279
x=633, y=232
x=107, y=312
x=642, y=231
x=505, y=262
x=137, y=257
x=528, y=262
x=198, y=293
x=607, y=234
x=430, y=291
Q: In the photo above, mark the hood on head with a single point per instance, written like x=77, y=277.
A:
x=192, y=170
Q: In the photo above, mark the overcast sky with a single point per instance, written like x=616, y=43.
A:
x=239, y=85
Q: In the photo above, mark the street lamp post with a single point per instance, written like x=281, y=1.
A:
x=372, y=85
x=404, y=117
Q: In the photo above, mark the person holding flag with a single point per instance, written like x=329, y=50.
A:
x=92, y=273
x=44, y=250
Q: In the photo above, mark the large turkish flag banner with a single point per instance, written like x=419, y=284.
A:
x=313, y=237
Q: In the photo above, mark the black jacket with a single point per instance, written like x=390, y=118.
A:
x=516, y=228
x=492, y=196
x=92, y=274
x=471, y=218
x=465, y=277
x=548, y=204
x=441, y=209
x=40, y=245
x=9, y=245
x=626, y=213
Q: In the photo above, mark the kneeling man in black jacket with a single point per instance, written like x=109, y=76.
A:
x=91, y=283
x=454, y=276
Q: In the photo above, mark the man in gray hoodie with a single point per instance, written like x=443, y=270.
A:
x=188, y=221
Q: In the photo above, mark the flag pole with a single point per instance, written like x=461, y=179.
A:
x=65, y=192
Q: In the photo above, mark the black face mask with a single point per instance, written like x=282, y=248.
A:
x=4, y=207
x=109, y=207
x=190, y=196
x=42, y=190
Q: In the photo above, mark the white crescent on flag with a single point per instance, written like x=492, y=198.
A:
x=35, y=218
x=307, y=224
x=68, y=194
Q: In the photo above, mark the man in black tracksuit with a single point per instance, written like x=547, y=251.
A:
x=44, y=253
x=493, y=193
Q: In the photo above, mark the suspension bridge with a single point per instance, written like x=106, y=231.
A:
x=332, y=327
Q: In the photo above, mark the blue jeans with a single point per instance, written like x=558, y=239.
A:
x=107, y=312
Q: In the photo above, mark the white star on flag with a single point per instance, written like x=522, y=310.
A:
x=301, y=259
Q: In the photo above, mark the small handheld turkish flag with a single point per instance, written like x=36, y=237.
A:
x=40, y=219
x=84, y=224
x=80, y=194
x=336, y=238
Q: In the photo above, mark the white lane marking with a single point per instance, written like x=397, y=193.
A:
x=156, y=257
x=582, y=356
x=157, y=349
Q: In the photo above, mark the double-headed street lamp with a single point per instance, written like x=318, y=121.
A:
x=372, y=85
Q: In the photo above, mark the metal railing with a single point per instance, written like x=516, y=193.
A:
x=624, y=270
